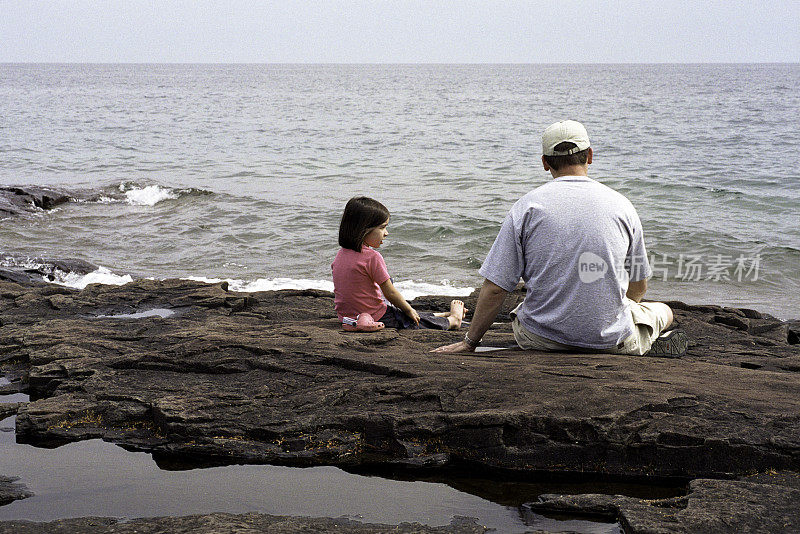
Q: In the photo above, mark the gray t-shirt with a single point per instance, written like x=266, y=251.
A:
x=576, y=243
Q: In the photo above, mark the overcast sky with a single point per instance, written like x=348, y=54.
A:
x=426, y=31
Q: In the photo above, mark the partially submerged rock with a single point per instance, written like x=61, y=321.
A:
x=11, y=491
x=19, y=200
x=767, y=504
x=8, y=409
x=38, y=271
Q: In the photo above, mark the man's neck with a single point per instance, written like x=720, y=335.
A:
x=572, y=170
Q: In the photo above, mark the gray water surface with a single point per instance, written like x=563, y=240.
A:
x=253, y=165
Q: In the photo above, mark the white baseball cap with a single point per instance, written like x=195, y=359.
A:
x=562, y=131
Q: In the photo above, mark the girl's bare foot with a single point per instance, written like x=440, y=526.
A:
x=457, y=311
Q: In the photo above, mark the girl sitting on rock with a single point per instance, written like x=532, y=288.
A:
x=361, y=282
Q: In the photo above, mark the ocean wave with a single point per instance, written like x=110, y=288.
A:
x=136, y=194
x=149, y=195
x=79, y=281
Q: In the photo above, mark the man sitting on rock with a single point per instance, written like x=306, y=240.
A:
x=579, y=248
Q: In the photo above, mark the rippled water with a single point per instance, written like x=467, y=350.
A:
x=241, y=171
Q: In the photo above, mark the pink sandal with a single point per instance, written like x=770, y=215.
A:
x=363, y=323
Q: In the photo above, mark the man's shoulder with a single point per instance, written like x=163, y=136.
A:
x=532, y=197
x=564, y=188
x=556, y=191
x=611, y=194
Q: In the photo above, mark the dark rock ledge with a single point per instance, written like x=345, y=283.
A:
x=270, y=377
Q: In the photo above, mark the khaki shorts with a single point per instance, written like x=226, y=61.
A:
x=649, y=320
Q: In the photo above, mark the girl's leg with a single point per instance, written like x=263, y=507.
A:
x=393, y=318
x=455, y=315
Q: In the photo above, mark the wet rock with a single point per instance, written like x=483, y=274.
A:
x=11, y=491
x=10, y=388
x=72, y=265
x=215, y=523
x=271, y=377
x=8, y=409
x=19, y=200
x=38, y=271
x=723, y=506
x=21, y=277
x=793, y=332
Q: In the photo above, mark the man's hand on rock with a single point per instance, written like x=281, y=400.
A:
x=461, y=346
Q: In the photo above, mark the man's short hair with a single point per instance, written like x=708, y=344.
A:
x=559, y=162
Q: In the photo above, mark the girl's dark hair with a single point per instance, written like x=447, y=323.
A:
x=361, y=214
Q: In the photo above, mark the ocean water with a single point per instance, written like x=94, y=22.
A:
x=241, y=172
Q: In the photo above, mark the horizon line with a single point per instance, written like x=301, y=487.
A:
x=397, y=63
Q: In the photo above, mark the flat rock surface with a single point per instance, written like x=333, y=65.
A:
x=768, y=505
x=229, y=523
x=271, y=377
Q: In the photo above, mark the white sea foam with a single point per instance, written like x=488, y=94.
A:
x=411, y=289
x=135, y=195
x=24, y=263
x=79, y=281
x=267, y=284
x=408, y=288
x=147, y=196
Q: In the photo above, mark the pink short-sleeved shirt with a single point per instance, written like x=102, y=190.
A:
x=356, y=280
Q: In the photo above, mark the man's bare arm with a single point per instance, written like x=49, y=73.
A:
x=636, y=290
x=489, y=302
